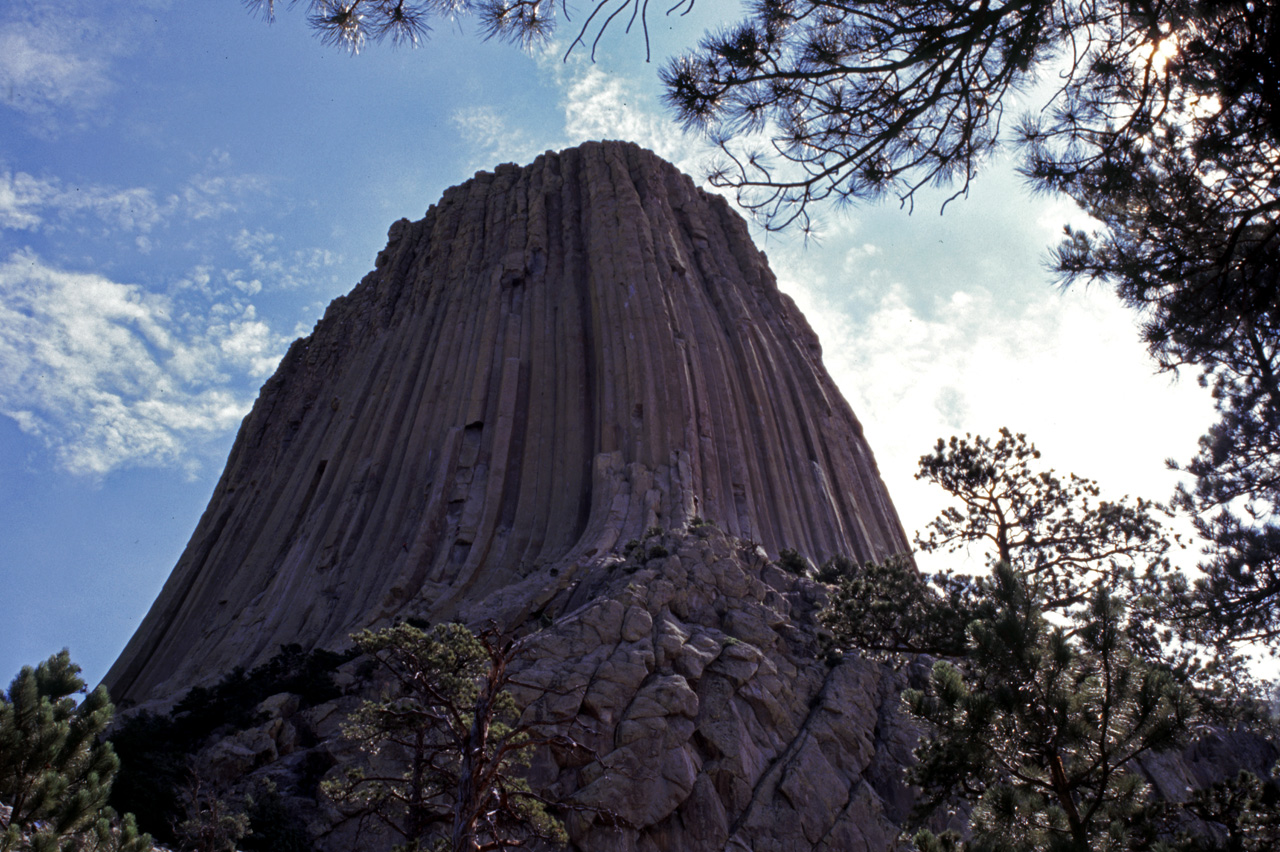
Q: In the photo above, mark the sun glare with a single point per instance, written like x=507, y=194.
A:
x=1156, y=56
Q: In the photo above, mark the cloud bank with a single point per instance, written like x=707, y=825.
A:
x=31, y=203
x=1065, y=368
x=108, y=375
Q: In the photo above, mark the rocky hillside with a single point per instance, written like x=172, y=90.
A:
x=695, y=680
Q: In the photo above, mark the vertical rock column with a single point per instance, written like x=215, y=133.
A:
x=553, y=360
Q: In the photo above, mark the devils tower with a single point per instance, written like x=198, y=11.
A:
x=556, y=360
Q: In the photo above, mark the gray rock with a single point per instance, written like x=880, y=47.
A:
x=555, y=361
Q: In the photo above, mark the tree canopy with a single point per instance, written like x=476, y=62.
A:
x=867, y=99
x=1060, y=539
x=55, y=773
x=449, y=717
x=350, y=24
x=1057, y=676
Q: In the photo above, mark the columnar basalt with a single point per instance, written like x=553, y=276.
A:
x=555, y=359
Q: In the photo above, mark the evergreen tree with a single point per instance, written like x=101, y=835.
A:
x=453, y=723
x=1040, y=725
x=350, y=24
x=55, y=773
x=1236, y=495
x=1059, y=538
x=211, y=823
x=1057, y=672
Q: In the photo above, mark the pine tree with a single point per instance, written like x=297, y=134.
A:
x=211, y=823
x=450, y=718
x=55, y=773
x=351, y=24
x=1057, y=672
x=1039, y=727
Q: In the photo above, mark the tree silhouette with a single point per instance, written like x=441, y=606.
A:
x=1057, y=672
x=350, y=24
x=455, y=737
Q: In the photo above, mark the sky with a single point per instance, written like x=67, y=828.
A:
x=184, y=188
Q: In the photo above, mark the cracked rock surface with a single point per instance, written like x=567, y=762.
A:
x=695, y=679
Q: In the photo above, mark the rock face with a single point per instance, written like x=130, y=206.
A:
x=554, y=360
x=558, y=360
x=694, y=678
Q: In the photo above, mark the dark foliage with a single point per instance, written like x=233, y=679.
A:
x=55, y=772
x=350, y=24
x=859, y=100
x=155, y=749
x=1246, y=808
x=305, y=674
x=790, y=560
x=890, y=608
x=450, y=716
x=865, y=99
x=1059, y=538
x=1040, y=726
x=273, y=825
x=835, y=568
x=1189, y=196
x=1236, y=496
x=153, y=756
x=210, y=822
x=1059, y=671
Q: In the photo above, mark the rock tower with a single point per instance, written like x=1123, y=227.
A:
x=556, y=360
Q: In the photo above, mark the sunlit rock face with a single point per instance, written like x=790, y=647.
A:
x=553, y=360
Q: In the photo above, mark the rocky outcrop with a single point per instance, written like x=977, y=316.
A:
x=690, y=671
x=555, y=359
x=696, y=681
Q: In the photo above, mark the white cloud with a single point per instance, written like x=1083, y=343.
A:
x=598, y=105
x=44, y=67
x=261, y=250
x=110, y=376
x=30, y=203
x=595, y=105
x=1067, y=369
x=18, y=203
x=57, y=59
x=489, y=138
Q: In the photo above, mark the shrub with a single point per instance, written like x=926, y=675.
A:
x=835, y=569
x=792, y=562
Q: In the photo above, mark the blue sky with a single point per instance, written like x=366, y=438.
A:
x=183, y=189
